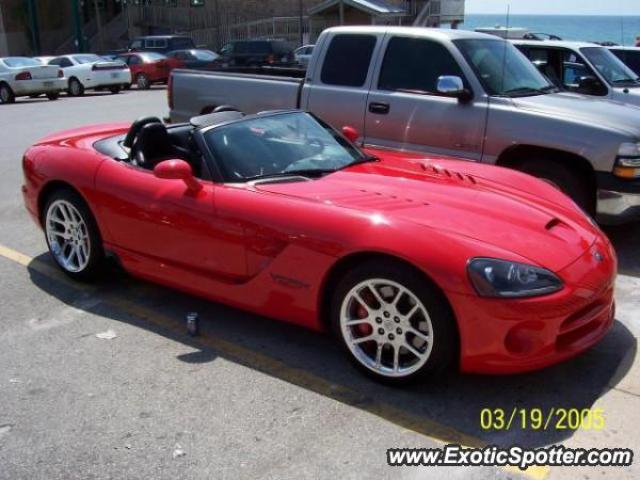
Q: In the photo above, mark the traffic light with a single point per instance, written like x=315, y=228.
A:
x=197, y=3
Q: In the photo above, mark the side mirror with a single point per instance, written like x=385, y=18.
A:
x=350, y=133
x=177, y=170
x=453, y=86
x=590, y=85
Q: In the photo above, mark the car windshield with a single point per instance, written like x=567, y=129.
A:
x=152, y=56
x=16, y=62
x=204, y=55
x=610, y=67
x=281, y=144
x=82, y=59
x=502, y=69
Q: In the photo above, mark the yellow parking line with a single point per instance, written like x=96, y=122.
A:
x=435, y=431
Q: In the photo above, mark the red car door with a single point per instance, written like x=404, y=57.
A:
x=163, y=223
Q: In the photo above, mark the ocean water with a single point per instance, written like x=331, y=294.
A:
x=622, y=29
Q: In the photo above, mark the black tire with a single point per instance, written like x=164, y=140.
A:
x=6, y=94
x=444, y=334
x=143, y=82
x=53, y=95
x=76, y=89
x=568, y=180
x=96, y=257
x=127, y=86
x=115, y=90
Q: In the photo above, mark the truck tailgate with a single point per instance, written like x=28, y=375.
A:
x=197, y=92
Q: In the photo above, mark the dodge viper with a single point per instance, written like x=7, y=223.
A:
x=416, y=263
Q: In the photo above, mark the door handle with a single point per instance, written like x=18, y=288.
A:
x=379, y=108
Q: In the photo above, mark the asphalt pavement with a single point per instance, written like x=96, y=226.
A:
x=102, y=381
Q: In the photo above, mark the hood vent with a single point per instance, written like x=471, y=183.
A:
x=447, y=174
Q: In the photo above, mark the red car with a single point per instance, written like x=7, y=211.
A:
x=146, y=68
x=415, y=263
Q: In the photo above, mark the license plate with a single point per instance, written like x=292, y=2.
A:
x=48, y=84
x=115, y=75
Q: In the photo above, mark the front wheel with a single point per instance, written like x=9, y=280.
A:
x=72, y=235
x=115, y=90
x=76, y=89
x=394, y=325
x=143, y=82
x=6, y=94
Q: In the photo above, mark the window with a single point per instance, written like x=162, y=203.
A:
x=89, y=58
x=136, y=44
x=610, y=67
x=16, y=62
x=347, y=60
x=574, y=69
x=134, y=60
x=633, y=61
x=227, y=49
x=415, y=64
x=62, y=62
x=182, y=43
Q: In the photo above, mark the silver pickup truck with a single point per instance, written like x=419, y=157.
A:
x=449, y=92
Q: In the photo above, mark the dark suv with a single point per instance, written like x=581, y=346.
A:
x=161, y=43
x=257, y=53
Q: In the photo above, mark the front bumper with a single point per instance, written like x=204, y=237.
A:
x=500, y=336
x=618, y=199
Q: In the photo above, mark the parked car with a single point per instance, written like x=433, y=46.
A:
x=630, y=56
x=146, y=68
x=584, y=68
x=86, y=71
x=463, y=94
x=416, y=263
x=161, y=43
x=257, y=53
x=198, y=59
x=303, y=54
x=24, y=77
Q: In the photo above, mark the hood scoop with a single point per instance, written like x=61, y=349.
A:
x=444, y=173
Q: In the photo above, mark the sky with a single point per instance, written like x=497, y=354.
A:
x=556, y=7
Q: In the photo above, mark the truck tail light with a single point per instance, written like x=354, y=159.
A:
x=24, y=76
x=170, y=91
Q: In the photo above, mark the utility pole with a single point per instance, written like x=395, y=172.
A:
x=301, y=22
x=35, y=28
x=341, y=6
x=77, y=20
x=99, y=25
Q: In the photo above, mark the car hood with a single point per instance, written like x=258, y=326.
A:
x=615, y=115
x=453, y=201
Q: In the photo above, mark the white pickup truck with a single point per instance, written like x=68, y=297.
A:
x=462, y=94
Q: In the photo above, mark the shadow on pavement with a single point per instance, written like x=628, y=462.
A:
x=625, y=239
x=448, y=410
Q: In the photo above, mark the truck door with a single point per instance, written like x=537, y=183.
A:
x=404, y=109
x=336, y=88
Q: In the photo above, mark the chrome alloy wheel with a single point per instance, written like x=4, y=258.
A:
x=386, y=327
x=68, y=236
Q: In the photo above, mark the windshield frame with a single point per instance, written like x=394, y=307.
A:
x=634, y=83
x=542, y=88
x=217, y=166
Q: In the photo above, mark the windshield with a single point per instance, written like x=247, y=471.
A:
x=610, y=67
x=204, y=55
x=276, y=145
x=14, y=62
x=502, y=69
x=82, y=59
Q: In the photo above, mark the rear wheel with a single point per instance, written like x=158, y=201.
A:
x=143, y=82
x=115, y=90
x=570, y=181
x=76, y=89
x=394, y=325
x=6, y=94
x=72, y=235
x=53, y=95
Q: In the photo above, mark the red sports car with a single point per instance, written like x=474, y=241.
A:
x=415, y=263
x=146, y=68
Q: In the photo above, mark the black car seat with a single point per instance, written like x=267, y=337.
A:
x=153, y=145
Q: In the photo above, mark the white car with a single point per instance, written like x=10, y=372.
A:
x=44, y=60
x=86, y=71
x=303, y=54
x=24, y=77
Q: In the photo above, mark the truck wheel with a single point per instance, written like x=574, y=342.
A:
x=570, y=181
x=394, y=325
x=6, y=94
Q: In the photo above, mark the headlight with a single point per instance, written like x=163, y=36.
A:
x=628, y=161
x=500, y=278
